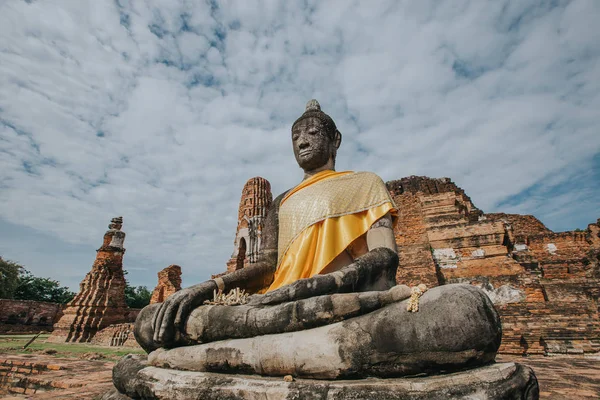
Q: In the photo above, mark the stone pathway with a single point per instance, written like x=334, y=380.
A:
x=45, y=377
x=564, y=377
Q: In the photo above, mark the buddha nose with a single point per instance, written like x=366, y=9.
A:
x=303, y=143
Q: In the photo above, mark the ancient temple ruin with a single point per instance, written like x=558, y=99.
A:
x=254, y=203
x=544, y=284
x=169, y=282
x=101, y=298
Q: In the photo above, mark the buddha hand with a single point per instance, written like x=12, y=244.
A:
x=169, y=320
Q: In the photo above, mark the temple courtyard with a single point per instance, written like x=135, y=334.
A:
x=82, y=371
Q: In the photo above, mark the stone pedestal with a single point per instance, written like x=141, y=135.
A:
x=134, y=379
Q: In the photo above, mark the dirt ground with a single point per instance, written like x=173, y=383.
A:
x=560, y=378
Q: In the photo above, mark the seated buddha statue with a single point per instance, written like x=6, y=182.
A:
x=324, y=303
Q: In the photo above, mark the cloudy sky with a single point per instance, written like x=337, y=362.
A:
x=160, y=111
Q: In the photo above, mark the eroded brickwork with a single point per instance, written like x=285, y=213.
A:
x=414, y=249
x=118, y=335
x=28, y=315
x=254, y=203
x=169, y=282
x=521, y=226
x=101, y=298
x=545, y=284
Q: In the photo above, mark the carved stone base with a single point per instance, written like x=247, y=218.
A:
x=497, y=381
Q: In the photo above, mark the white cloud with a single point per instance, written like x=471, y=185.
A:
x=160, y=111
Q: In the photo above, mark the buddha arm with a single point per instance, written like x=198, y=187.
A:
x=260, y=275
x=375, y=270
x=381, y=234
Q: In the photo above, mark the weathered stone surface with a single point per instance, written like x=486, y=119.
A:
x=101, y=298
x=497, y=381
x=125, y=373
x=169, y=282
x=456, y=327
x=210, y=323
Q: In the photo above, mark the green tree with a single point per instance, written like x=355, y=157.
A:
x=9, y=278
x=31, y=287
x=137, y=297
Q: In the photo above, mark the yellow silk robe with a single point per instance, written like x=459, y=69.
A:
x=322, y=216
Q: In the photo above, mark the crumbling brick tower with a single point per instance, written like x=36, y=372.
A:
x=169, y=282
x=255, y=201
x=101, y=298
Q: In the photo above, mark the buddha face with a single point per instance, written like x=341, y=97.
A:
x=312, y=145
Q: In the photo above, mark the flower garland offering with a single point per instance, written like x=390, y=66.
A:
x=416, y=292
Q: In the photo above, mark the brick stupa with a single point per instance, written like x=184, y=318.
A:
x=101, y=298
x=169, y=282
x=254, y=203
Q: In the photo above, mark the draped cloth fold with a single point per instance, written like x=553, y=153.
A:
x=322, y=216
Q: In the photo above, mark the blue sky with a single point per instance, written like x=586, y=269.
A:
x=160, y=111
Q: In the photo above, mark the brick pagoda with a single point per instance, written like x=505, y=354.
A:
x=254, y=203
x=101, y=298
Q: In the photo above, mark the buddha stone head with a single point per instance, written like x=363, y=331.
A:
x=315, y=138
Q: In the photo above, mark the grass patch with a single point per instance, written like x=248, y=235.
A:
x=13, y=344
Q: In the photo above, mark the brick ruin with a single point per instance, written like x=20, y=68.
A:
x=101, y=298
x=169, y=281
x=544, y=284
x=254, y=203
x=28, y=315
x=118, y=335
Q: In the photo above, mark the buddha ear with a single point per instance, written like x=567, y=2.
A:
x=338, y=139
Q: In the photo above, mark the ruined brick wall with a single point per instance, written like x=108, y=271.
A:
x=101, y=298
x=427, y=186
x=545, y=284
x=255, y=201
x=28, y=315
x=414, y=249
x=594, y=234
x=169, y=282
x=522, y=225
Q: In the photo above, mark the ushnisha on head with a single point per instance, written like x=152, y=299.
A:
x=315, y=139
